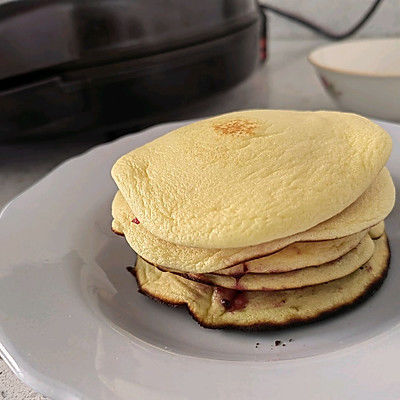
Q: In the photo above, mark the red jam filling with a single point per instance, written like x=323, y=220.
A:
x=232, y=300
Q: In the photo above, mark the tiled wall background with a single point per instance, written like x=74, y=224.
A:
x=337, y=15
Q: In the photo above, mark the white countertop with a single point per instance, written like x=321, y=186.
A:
x=287, y=81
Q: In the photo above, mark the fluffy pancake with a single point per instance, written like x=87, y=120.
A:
x=214, y=308
x=251, y=177
x=377, y=231
x=369, y=209
x=297, y=255
x=336, y=269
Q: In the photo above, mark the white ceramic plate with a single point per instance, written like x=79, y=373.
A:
x=73, y=326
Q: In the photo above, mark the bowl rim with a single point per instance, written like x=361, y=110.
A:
x=344, y=71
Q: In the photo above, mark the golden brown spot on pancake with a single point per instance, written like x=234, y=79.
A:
x=236, y=127
x=117, y=232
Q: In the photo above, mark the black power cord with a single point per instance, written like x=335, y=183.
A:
x=318, y=29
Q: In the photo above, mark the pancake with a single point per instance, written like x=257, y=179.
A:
x=336, y=269
x=212, y=307
x=297, y=256
x=250, y=177
x=377, y=231
x=369, y=209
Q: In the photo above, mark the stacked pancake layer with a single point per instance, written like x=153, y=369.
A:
x=317, y=246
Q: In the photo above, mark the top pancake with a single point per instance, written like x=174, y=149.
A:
x=250, y=177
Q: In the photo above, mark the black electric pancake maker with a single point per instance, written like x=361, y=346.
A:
x=110, y=65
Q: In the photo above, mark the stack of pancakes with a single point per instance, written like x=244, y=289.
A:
x=259, y=218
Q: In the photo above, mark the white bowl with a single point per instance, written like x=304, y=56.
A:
x=362, y=76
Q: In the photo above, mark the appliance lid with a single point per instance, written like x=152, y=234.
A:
x=42, y=34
